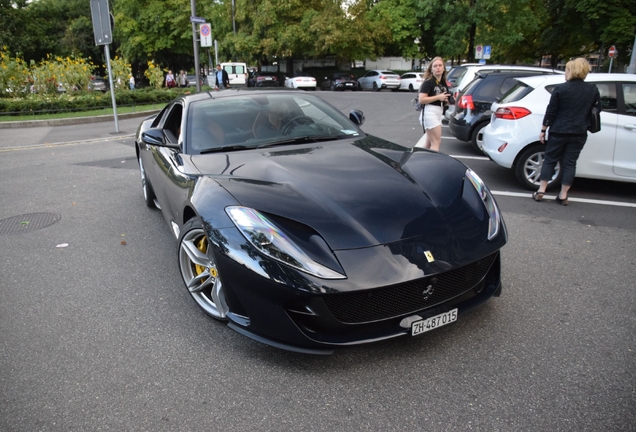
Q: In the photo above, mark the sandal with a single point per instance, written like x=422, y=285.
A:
x=538, y=196
x=563, y=201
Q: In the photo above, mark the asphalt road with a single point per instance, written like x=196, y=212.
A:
x=101, y=334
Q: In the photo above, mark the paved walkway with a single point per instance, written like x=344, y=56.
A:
x=38, y=133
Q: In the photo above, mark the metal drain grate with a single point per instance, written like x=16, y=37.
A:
x=27, y=222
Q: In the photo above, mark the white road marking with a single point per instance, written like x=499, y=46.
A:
x=581, y=200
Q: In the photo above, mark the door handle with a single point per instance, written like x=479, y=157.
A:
x=630, y=127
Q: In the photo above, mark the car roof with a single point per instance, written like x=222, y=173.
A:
x=536, y=81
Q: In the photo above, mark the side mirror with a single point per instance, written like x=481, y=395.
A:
x=357, y=117
x=153, y=137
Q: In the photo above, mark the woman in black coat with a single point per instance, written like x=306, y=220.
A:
x=566, y=118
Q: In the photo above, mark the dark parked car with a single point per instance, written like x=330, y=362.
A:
x=472, y=106
x=301, y=231
x=264, y=79
x=340, y=81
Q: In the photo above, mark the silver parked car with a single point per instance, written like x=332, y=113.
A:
x=377, y=80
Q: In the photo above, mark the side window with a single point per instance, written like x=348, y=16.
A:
x=608, y=96
x=239, y=70
x=172, y=125
x=629, y=95
x=228, y=69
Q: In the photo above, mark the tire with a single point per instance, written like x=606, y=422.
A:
x=333, y=87
x=199, y=272
x=528, y=165
x=149, y=193
x=477, y=137
x=375, y=87
x=411, y=89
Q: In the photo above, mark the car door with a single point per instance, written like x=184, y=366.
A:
x=367, y=79
x=625, y=151
x=597, y=156
x=164, y=167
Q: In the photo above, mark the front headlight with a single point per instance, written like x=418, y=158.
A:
x=271, y=241
x=489, y=202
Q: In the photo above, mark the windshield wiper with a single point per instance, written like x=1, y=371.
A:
x=301, y=140
x=226, y=148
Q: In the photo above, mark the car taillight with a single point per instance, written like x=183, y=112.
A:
x=512, y=113
x=382, y=77
x=466, y=102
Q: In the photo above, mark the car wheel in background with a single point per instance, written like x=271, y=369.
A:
x=411, y=89
x=149, y=194
x=199, y=272
x=528, y=168
x=375, y=87
x=477, y=139
x=333, y=87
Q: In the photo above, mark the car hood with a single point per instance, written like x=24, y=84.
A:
x=355, y=193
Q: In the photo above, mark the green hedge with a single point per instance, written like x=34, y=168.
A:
x=84, y=101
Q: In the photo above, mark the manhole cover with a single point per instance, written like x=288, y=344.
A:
x=27, y=222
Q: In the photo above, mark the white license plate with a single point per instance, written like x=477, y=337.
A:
x=349, y=84
x=428, y=324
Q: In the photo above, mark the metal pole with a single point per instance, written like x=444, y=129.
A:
x=112, y=87
x=233, y=22
x=610, y=68
x=193, y=6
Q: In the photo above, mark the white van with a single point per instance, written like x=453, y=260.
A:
x=237, y=72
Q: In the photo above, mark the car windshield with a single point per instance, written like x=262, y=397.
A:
x=251, y=121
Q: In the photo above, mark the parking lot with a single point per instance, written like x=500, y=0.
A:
x=99, y=333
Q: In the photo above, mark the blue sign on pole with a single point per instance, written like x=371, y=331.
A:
x=487, y=51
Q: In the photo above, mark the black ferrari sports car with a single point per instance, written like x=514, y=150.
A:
x=302, y=232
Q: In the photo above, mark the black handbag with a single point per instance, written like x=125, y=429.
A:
x=594, y=119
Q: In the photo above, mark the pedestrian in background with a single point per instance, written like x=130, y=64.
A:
x=433, y=96
x=131, y=82
x=222, y=78
x=182, y=79
x=170, y=81
x=566, y=119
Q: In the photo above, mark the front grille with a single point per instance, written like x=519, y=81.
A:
x=401, y=299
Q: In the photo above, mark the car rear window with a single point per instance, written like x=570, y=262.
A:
x=517, y=92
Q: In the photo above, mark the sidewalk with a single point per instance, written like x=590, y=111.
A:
x=38, y=133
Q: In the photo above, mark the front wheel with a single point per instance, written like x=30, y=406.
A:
x=528, y=168
x=199, y=271
x=149, y=194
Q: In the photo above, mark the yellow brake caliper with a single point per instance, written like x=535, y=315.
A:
x=202, y=245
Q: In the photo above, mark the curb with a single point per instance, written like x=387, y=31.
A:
x=74, y=120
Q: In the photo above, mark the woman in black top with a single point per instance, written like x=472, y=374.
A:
x=433, y=95
x=566, y=116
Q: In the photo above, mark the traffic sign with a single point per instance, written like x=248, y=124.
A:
x=479, y=52
x=206, y=35
x=612, y=52
x=197, y=20
x=101, y=17
x=486, y=51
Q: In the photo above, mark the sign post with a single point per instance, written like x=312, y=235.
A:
x=613, y=52
x=206, y=35
x=487, y=52
x=479, y=52
x=103, y=31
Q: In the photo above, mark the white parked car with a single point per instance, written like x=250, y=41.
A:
x=377, y=80
x=512, y=137
x=411, y=81
x=301, y=82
